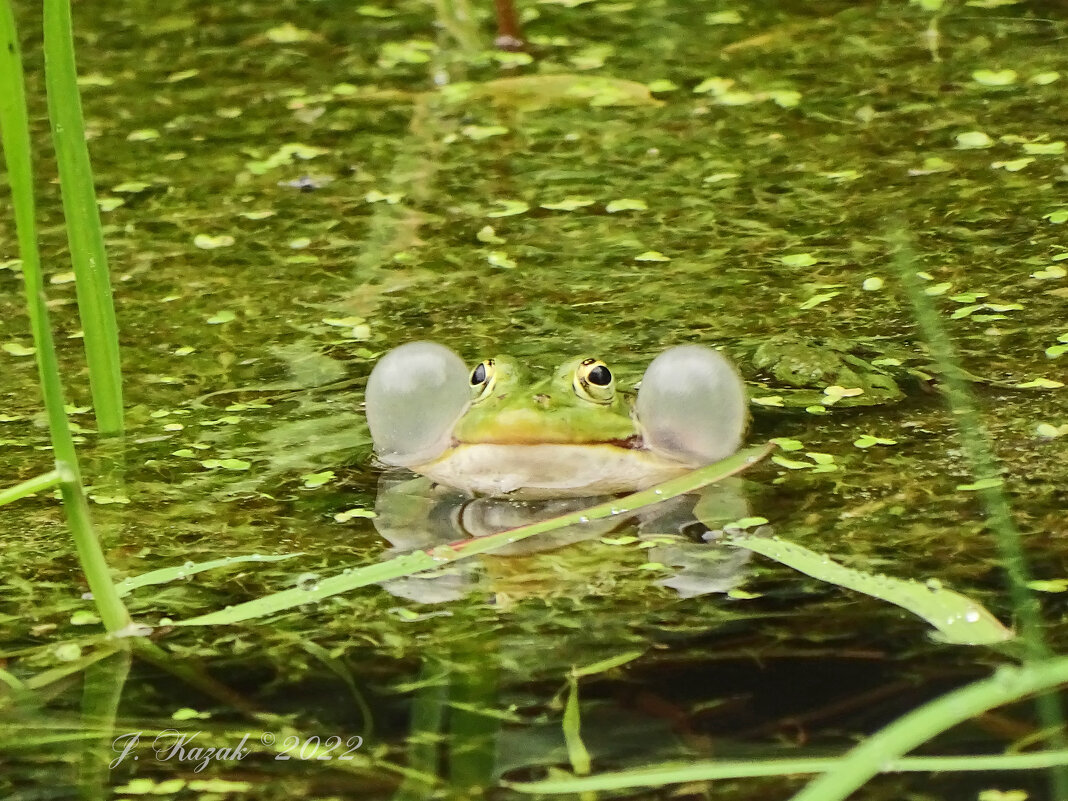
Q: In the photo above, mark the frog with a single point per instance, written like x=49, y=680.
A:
x=494, y=430
x=830, y=372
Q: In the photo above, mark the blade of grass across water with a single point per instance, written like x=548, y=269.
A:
x=958, y=619
x=30, y=486
x=923, y=723
x=436, y=557
x=710, y=770
x=168, y=574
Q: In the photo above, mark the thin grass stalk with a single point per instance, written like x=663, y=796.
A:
x=15, y=134
x=979, y=454
x=84, y=233
x=30, y=486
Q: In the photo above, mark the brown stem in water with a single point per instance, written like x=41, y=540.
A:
x=509, y=30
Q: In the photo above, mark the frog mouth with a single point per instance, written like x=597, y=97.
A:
x=633, y=442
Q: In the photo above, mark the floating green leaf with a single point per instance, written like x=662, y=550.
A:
x=1051, y=272
x=288, y=33
x=798, y=260
x=284, y=156
x=973, y=140
x=131, y=187
x=489, y=236
x=508, y=208
x=790, y=464
x=315, y=480
x=569, y=204
x=208, y=242
x=868, y=440
x=995, y=77
x=1013, y=165
x=788, y=444
x=501, y=259
x=16, y=349
x=1041, y=383
x=1044, y=78
x=226, y=464
x=625, y=204
x=1044, y=148
x=349, y=514
x=480, y=132
x=651, y=255
x=662, y=85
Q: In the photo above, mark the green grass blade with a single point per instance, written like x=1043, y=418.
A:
x=923, y=723
x=167, y=574
x=605, y=665
x=978, y=452
x=84, y=233
x=958, y=619
x=15, y=135
x=577, y=754
x=711, y=770
x=419, y=561
x=30, y=486
x=979, y=455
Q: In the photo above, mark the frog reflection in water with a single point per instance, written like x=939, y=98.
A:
x=538, y=449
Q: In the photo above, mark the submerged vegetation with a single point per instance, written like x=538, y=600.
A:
x=638, y=175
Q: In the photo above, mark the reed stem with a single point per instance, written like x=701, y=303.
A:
x=979, y=454
x=15, y=136
x=84, y=233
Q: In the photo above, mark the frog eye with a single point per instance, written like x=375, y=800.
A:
x=594, y=382
x=483, y=379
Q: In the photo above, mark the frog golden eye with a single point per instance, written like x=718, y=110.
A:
x=594, y=382
x=483, y=378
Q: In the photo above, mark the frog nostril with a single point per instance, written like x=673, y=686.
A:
x=542, y=401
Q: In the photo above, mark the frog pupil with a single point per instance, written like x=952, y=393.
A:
x=600, y=375
x=479, y=375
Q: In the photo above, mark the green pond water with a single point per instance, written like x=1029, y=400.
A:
x=292, y=188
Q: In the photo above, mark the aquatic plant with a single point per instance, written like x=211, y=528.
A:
x=88, y=256
x=14, y=129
